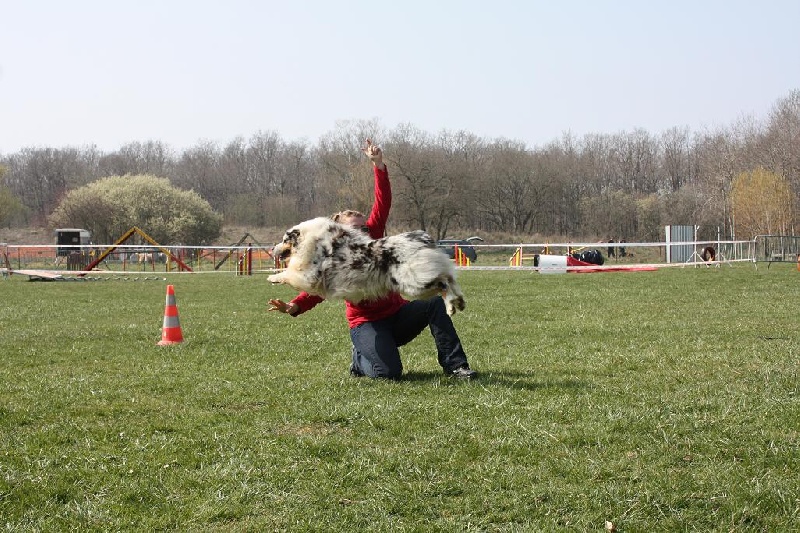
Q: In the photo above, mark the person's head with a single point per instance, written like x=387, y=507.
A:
x=349, y=217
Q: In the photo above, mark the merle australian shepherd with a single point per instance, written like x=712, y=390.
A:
x=336, y=261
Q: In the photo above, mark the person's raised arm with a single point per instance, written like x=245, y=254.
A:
x=379, y=214
x=375, y=155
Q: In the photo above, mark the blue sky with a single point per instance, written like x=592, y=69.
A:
x=106, y=73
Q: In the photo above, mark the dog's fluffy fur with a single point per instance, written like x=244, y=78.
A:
x=333, y=260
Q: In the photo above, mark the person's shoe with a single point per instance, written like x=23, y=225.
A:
x=463, y=372
x=355, y=373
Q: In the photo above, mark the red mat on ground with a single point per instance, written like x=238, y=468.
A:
x=572, y=262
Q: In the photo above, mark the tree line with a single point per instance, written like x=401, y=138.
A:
x=735, y=181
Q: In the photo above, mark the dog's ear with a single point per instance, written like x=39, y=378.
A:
x=292, y=237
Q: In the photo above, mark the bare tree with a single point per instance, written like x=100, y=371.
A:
x=717, y=154
x=198, y=170
x=39, y=177
x=510, y=195
x=263, y=164
x=594, y=165
x=11, y=209
x=781, y=145
x=675, y=159
x=346, y=180
x=152, y=157
x=612, y=215
x=558, y=175
x=463, y=158
x=300, y=177
x=418, y=189
x=635, y=155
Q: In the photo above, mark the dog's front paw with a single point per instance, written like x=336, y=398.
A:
x=454, y=304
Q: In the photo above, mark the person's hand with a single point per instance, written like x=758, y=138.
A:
x=375, y=154
x=282, y=307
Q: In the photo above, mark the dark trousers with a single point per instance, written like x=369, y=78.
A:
x=375, y=344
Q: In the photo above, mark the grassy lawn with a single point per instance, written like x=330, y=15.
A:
x=659, y=401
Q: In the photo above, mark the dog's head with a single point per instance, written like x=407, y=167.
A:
x=283, y=250
x=308, y=232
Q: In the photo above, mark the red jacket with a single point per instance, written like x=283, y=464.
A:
x=367, y=310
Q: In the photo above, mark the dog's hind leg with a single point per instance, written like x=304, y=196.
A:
x=453, y=297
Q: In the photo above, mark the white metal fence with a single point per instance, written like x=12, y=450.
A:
x=249, y=259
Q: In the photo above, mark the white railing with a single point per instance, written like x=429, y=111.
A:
x=143, y=259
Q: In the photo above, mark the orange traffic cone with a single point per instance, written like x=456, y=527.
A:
x=171, y=332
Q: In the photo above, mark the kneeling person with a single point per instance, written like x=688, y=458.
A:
x=379, y=327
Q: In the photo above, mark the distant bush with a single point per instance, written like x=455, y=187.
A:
x=111, y=206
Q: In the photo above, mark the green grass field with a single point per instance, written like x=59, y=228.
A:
x=659, y=401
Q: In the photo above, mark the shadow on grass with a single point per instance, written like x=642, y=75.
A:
x=504, y=378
